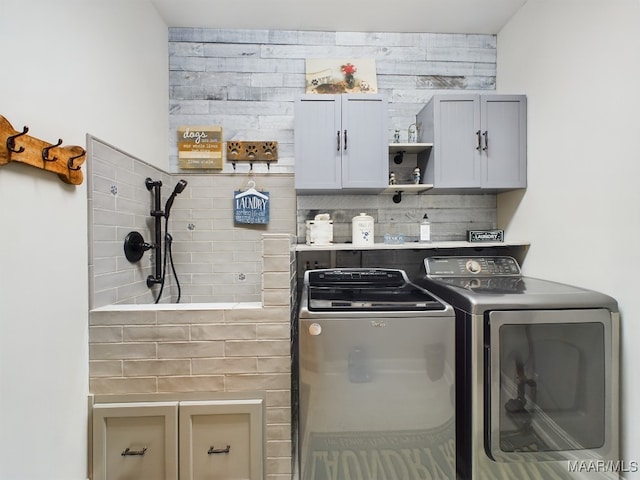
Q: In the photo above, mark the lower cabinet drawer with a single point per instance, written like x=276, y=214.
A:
x=185, y=440
x=135, y=440
x=221, y=440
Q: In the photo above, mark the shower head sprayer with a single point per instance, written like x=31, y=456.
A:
x=179, y=188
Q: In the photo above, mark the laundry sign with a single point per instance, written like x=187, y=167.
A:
x=251, y=206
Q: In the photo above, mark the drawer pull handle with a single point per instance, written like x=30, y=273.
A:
x=127, y=452
x=220, y=450
x=478, y=134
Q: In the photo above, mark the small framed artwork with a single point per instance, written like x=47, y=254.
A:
x=354, y=75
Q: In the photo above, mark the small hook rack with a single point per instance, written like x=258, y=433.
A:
x=16, y=146
x=252, y=152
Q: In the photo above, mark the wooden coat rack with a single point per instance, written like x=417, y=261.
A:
x=17, y=146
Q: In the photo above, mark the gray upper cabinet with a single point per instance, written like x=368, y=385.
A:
x=341, y=143
x=479, y=141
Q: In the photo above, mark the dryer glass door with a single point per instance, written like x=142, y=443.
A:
x=550, y=383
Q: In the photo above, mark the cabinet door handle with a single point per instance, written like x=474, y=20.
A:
x=345, y=139
x=479, y=140
x=486, y=140
x=338, y=137
x=127, y=452
x=213, y=451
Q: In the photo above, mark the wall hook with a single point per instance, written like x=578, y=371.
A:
x=11, y=141
x=45, y=152
x=397, y=198
x=36, y=152
x=71, y=159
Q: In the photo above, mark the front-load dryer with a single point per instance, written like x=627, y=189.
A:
x=537, y=370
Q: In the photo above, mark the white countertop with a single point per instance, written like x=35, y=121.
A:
x=407, y=246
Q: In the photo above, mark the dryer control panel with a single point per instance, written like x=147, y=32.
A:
x=471, y=266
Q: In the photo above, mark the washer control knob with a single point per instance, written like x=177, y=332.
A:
x=315, y=329
x=473, y=266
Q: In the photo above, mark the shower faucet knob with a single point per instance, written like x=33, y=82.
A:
x=135, y=246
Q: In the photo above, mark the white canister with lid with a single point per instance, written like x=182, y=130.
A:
x=362, y=229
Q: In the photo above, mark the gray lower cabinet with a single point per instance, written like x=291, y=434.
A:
x=341, y=143
x=479, y=141
x=185, y=440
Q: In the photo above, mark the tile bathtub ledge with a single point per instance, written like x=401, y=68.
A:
x=178, y=306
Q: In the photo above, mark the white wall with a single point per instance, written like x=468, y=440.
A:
x=578, y=63
x=68, y=68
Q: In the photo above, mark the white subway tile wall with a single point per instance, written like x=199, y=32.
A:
x=215, y=259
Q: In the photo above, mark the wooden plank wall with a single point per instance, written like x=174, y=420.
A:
x=246, y=80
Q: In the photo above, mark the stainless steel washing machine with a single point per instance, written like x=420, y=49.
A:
x=376, y=378
x=537, y=372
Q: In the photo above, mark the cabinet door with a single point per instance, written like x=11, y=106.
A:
x=456, y=151
x=318, y=142
x=365, y=142
x=221, y=440
x=341, y=142
x=504, y=132
x=135, y=440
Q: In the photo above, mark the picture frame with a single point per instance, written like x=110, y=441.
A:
x=341, y=75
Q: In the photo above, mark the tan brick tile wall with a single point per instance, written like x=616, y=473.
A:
x=235, y=348
x=174, y=317
x=106, y=334
x=273, y=331
x=203, y=366
x=143, y=368
x=123, y=385
x=276, y=296
x=258, y=348
x=224, y=332
x=105, y=368
x=156, y=334
x=121, y=351
x=200, y=383
x=274, y=364
x=191, y=349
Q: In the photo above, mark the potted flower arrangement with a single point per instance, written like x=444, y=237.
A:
x=348, y=70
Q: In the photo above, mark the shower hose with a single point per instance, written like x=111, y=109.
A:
x=168, y=239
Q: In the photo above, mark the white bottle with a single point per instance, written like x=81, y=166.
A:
x=362, y=230
x=425, y=229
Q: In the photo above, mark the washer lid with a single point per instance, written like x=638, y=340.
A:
x=365, y=289
x=389, y=298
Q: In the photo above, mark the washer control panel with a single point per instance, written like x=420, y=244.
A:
x=471, y=266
